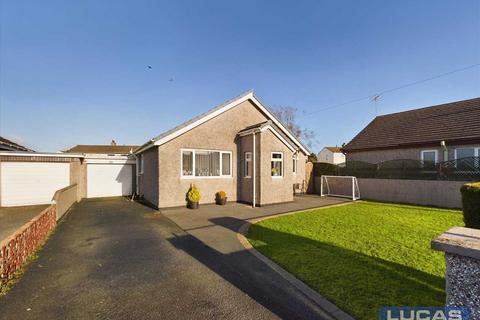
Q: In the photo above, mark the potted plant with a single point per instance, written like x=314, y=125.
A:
x=221, y=198
x=193, y=197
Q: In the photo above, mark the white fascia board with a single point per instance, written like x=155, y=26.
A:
x=292, y=148
x=144, y=147
x=279, y=124
x=109, y=157
x=200, y=121
x=110, y=161
x=38, y=154
x=248, y=96
x=275, y=132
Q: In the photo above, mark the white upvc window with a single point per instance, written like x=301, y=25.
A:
x=277, y=165
x=295, y=163
x=429, y=157
x=247, y=165
x=197, y=163
x=468, y=153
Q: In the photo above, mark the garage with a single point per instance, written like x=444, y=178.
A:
x=109, y=179
x=31, y=183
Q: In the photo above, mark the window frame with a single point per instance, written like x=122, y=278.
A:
x=295, y=163
x=272, y=159
x=476, y=153
x=431, y=150
x=246, y=163
x=193, y=176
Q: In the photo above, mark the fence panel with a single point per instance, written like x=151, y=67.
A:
x=465, y=169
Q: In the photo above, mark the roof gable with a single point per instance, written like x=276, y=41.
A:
x=455, y=121
x=212, y=113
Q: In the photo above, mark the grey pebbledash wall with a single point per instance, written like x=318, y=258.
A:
x=443, y=194
x=462, y=256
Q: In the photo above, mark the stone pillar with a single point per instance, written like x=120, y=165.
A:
x=462, y=255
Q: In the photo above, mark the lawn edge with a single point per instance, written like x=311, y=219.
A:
x=329, y=307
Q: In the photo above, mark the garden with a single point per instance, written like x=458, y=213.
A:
x=362, y=255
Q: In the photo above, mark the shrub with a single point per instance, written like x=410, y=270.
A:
x=193, y=194
x=221, y=195
x=471, y=204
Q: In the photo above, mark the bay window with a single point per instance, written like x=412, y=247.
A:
x=206, y=163
x=277, y=164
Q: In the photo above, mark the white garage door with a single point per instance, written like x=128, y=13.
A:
x=29, y=183
x=109, y=180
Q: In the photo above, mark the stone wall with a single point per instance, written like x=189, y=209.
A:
x=15, y=250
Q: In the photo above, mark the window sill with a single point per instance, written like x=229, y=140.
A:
x=205, y=177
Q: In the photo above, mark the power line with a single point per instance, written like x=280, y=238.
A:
x=376, y=96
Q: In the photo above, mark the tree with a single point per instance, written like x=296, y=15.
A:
x=287, y=116
x=312, y=157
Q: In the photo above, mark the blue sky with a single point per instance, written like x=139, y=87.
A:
x=75, y=72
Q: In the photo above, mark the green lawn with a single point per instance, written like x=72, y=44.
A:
x=362, y=255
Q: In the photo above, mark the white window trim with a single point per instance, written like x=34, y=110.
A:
x=246, y=163
x=435, y=151
x=295, y=163
x=476, y=151
x=277, y=160
x=193, y=176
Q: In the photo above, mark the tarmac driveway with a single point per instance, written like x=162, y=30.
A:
x=115, y=259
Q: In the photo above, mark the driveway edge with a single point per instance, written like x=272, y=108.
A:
x=329, y=307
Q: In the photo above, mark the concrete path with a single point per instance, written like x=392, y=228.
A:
x=12, y=218
x=114, y=259
x=217, y=226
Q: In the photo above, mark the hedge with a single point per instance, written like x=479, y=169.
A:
x=471, y=204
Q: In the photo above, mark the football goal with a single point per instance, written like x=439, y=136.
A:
x=340, y=186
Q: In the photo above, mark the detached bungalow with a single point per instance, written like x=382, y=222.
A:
x=238, y=147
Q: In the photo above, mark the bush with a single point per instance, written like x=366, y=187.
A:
x=471, y=204
x=193, y=194
x=221, y=195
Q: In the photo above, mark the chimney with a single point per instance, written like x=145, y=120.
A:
x=113, y=143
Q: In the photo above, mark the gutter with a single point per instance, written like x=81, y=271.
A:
x=38, y=154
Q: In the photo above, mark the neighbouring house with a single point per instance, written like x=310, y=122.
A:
x=238, y=147
x=8, y=145
x=109, y=169
x=333, y=155
x=432, y=134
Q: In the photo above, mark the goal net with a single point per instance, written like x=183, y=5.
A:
x=340, y=186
